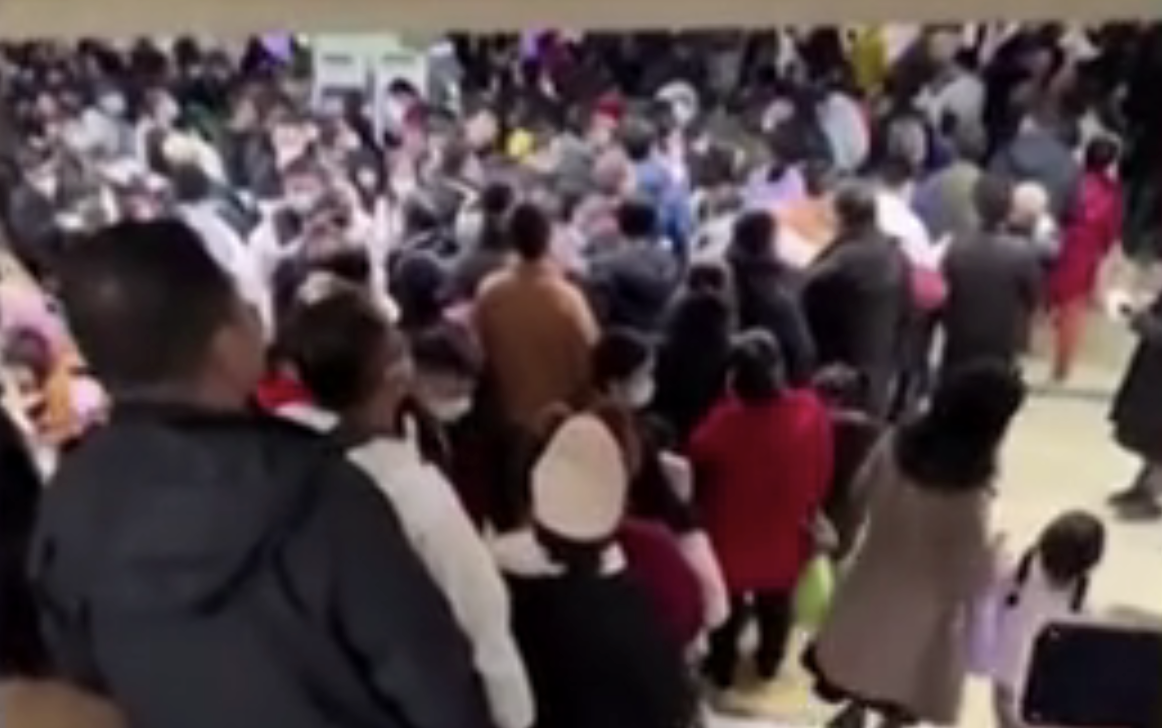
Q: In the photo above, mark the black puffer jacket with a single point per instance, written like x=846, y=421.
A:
x=235, y=571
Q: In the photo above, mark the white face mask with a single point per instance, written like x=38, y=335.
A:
x=450, y=410
x=639, y=392
x=301, y=201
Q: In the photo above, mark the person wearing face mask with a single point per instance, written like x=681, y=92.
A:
x=448, y=365
x=623, y=374
x=358, y=369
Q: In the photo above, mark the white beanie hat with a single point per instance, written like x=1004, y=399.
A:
x=579, y=485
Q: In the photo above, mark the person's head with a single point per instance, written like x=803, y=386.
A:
x=753, y=237
x=637, y=219
x=1071, y=546
x=350, y=358
x=530, y=231
x=153, y=313
x=993, y=197
x=954, y=444
x=448, y=364
x=1030, y=204
x=623, y=368
x=1101, y=155
x=303, y=184
x=757, y=372
x=28, y=359
x=638, y=137
x=969, y=142
x=855, y=207
x=709, y=276
x=420, y=287
x=190, y=183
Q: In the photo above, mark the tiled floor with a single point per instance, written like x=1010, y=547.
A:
x=1059, y=457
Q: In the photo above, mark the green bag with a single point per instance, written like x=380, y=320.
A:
x=814, y=591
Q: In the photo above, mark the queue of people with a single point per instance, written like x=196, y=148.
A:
x=521, y=414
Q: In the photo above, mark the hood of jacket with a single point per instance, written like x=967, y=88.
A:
x=166, y=506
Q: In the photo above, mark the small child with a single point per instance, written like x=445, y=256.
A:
x=1048, y=584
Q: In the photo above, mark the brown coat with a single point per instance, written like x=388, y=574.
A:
x=897, y=633
x=537, y=332
x=29, y=704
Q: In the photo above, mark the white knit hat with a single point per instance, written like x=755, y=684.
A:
x=580, y=482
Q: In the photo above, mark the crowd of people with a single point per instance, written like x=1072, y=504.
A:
x=518, y=406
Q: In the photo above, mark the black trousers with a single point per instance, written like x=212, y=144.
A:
x=773, y=614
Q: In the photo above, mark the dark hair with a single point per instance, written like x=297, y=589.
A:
x=855, y=206
x=1071, y=546
x=993, y=196
x=340, y=346
x=618, y=354
x=969, y=141
x=637, y=219
x=1101, y=153
x=953, y=445
x=753, y=236
x=190, y=182
x=530, y=231
x=349, y=264
x=637, y=137
x=151, y=282
x=709, y=276
x=449, y=349
x=756, y=368
x=420, y=287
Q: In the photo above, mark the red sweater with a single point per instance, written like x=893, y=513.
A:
x=761, y=474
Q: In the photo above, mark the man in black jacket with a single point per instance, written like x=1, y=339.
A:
x=206, y=566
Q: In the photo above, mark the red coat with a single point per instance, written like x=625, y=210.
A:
x=1096, y=226
x=761, y=475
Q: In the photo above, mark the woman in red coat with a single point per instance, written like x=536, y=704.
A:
x=1094, y=229
x=762, y=464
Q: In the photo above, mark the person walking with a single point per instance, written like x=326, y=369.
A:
x=1137, y=420
x=895, y=640
x=202, y=564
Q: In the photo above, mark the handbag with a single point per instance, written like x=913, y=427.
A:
x=813, y=592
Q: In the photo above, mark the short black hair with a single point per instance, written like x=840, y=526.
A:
x=449, y=349
x=144, y=301
x=855, y=206
x=530, y=231
x=619, y=353
x=993, y=197
x=757, y=371
x=340, y=345
x=637, y=219
x=1071, y=546
x=709, y=276
x=753, y=235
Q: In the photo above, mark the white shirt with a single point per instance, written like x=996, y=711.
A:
x=457, y=559
x=232, y=254
x=897, y=219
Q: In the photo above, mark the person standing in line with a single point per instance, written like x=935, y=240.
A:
x=537, y=332
x=895, y=640
x=994, y=285
x=762, y=465
x=203, y=564
x=858, y=298
x=357, y=367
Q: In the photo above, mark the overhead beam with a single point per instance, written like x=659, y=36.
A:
x=73, y=18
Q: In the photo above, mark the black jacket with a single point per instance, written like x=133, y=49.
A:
x=858, y=304
x=768, y=300
x=993, y=289
x=597, y=654
x=212, y=570
x=1136, y=416
x=631, y=287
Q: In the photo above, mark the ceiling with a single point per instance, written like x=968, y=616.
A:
x=70, y=18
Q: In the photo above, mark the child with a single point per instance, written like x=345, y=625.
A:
x=1049, y=583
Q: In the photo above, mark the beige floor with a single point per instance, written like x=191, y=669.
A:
x=1060, y=456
